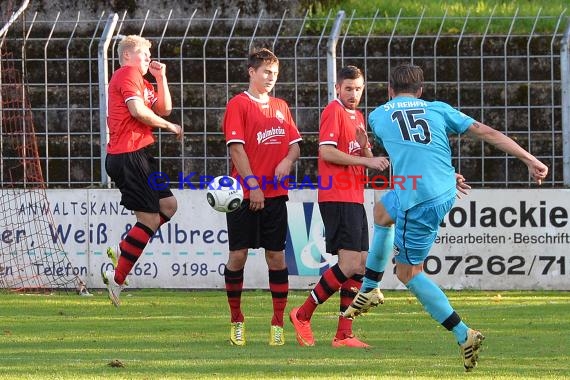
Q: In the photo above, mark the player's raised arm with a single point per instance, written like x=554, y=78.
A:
x=537, y=170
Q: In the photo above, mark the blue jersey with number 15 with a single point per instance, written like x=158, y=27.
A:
x=415, y=132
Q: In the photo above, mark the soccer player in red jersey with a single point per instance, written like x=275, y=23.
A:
x=263, y=142
x=134, y=109
x=344, y=151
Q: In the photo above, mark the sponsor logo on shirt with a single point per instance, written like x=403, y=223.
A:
x=146, y=94
x=268, y=134
x=354, y=148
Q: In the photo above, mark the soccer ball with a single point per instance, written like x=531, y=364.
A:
x=224, y=194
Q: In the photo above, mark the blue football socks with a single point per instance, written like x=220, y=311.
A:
x=378, y=256
x=435, y=302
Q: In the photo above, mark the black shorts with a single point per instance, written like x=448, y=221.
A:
x=346, y=226
x=259, y=229
x=130, y=172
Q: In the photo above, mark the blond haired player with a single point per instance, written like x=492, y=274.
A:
x=135, y=109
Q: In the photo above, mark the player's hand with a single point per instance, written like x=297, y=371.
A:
x=256, y=199
x=283, y=168
x=362, y=138
x=538, y=171
x=378, y=163
x=461, y=186
x=157, y=69
x=177, y=130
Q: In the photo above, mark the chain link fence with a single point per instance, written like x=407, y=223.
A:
x=511, y=81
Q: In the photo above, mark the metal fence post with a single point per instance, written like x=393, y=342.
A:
x=182, y=100
x=103, y=87
x=506, y=86
x=46, y=94
x=458, y=102
x=159, y=58
x=92, y=107
x=565, y=88
x=482, y=85
x=295, y=68
x=370, y=31
x=68, y=96
x=14, y=17
x=205, y=87
x=347, y=29
x=331, y=54
x=3, y=33
x=553, y=92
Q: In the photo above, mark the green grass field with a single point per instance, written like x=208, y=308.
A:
x=162, y=334
x=478, y=11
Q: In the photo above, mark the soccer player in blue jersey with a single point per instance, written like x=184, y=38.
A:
x=415, y=132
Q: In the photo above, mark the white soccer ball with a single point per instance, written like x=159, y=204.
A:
x=224, y=194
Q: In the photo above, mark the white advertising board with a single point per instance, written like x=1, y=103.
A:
x=491, y=239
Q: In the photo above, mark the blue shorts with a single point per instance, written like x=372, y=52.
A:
x=416, y=229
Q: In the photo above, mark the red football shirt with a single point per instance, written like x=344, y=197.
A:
x=340, y=183
x=127, y=134
x=266, y=130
